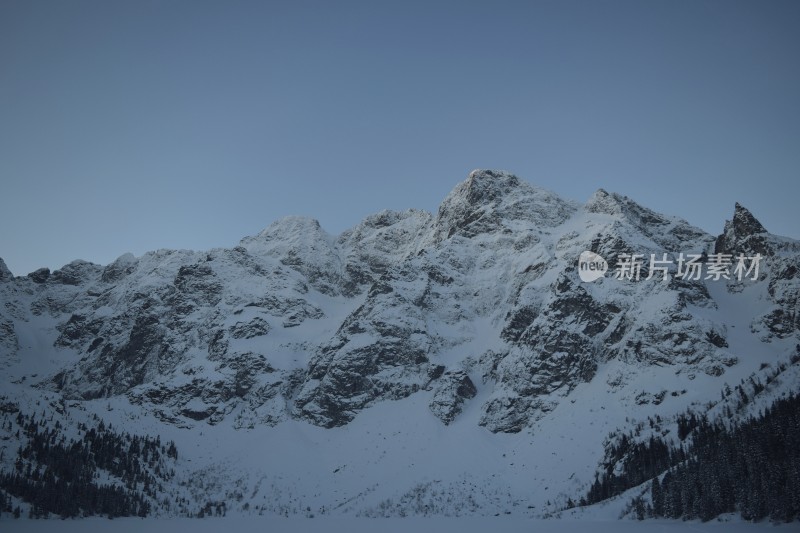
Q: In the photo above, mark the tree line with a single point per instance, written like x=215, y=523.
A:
x=751, y=468
x=61, y=476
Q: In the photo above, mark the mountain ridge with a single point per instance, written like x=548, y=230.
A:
x=473, y=320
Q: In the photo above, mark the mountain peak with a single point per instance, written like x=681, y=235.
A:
x=604, y=202
x=743, y=234
x=488, y=199
x=5, y=273
x=744, y=223
x=287, y=229
x=292, y=223
x=483, y=186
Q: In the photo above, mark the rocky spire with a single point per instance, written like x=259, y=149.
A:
x=5, y=273
x=743, y=234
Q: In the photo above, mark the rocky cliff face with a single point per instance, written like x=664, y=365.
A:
x=480, y=303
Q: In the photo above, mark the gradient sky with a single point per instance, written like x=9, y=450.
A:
x=127, y=126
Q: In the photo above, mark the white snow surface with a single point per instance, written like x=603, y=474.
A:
x=501, y=524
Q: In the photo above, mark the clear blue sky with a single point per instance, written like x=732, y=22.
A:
x=136, y=125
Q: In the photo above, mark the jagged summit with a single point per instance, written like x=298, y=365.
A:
x=483, y=186
x=492, y=200
x=389, y=217
x=744, y=222
x=5, y=273
x=743, y=234
x=119, y=268
x=620, y=205
x=289, y=226
x=665, y=233
x=604, y=202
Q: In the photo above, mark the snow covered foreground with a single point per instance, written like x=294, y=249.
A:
x=384, y=525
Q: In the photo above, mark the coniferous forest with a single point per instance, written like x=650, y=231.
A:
x=751, y=468
x=102, y=472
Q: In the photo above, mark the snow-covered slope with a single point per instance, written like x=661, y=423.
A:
x=415, y=364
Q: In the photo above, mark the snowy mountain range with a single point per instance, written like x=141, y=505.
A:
x=447, y=364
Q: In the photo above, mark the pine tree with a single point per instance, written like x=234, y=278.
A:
x=657, y=497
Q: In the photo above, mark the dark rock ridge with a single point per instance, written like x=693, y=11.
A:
x=743, y=235
x=40, y=275
x=5, y=273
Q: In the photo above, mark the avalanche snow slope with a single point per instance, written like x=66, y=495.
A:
x=415, y=365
